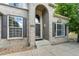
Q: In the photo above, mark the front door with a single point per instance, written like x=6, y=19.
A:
x=38, y=27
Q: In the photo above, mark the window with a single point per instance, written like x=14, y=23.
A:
x=19, y=5
x=14, y=4
x=15, y=26
x=37, y=19
x=59, y=29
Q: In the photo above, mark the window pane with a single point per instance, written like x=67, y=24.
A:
x=15, y=32
x=11, y=21
x=18, y=22
x=37, y=20
x=58, y=32
x=58, y=26
x=62, y=32
x=16, y=4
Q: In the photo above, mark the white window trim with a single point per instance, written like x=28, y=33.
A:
x=8, y=30
x=56, y=30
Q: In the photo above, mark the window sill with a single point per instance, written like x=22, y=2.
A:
x=15, y=38
x=60, y=36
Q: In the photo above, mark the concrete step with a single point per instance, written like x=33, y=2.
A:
x=42, y=43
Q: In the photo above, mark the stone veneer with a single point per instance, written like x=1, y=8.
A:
x=30, y=15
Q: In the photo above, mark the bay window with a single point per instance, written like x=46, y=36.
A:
x=15, y=26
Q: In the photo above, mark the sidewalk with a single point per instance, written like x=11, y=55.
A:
x=65, y=49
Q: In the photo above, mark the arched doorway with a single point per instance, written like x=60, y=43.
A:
x=41, y=23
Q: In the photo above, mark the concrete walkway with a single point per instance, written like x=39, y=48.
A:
x=64, y=49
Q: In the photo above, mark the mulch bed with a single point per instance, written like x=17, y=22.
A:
x=4, y=51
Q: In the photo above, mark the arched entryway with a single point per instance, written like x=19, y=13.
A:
x=44, y=12
x=41, y=23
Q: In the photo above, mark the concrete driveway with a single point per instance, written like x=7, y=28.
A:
x=64, y=49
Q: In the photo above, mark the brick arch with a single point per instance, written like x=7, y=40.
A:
x=45, y=20
x=32, y=10
x=44, y=5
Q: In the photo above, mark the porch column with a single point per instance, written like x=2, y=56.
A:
x=32, y=25
x=50, y=24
